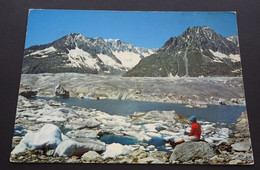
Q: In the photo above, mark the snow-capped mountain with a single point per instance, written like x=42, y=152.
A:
x=234, y=39
x=198, y=51
x=121, y=49
x=77, y=53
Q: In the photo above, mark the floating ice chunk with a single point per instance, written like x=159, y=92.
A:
x=166, y=138
x=32, y=118
x=208, y=128
x=223, y=133
x=141, y=135
x=48, y=136
x=167, y=145
x=173, y=136
x=136, y=127
x=51, y=119
x=152, y=134
x=70, y=147
x=168, y=148
x=151, y=147
x=150, y=127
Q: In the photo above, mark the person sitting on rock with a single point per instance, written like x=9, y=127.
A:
x=194, y=134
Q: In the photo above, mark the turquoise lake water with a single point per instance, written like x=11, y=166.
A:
x=213, y=113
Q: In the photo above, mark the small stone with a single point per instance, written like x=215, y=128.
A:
x=75, y=157
x=72, y=160
x=175, y=162
x=34, y=156
x=216, y=160
x=20, y=158
x=134, y=160
x=42, y=157
x=90, y=156
x=50, y=152
x=140, y=154
x=199, y=162
x=235, y=162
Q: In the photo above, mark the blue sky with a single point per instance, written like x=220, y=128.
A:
x=143, y=29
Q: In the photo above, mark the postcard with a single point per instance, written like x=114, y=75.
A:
x=131, y=87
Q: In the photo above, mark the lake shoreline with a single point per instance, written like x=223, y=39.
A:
x=91, y=123
x=84, y=127
x=128, y=107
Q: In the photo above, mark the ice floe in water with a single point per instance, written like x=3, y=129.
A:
x=152, y=128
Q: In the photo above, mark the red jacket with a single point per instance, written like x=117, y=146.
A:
x=195, y=130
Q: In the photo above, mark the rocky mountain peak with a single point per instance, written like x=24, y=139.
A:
x=198, y=51
x=201, y=38
x=66, y=42
x=234, y=39
x=99, y=39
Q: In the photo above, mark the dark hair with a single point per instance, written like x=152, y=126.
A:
x=194, y=120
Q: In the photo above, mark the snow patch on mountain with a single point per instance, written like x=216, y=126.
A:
x=220, y=56
x=79, y=57
x=109, y=61
x=43, y=52
x=127, y=53
x=234, y=39
x=111, y=40
x=217, y=60
x=128, y=59
x=235, y=57
x=145, y=52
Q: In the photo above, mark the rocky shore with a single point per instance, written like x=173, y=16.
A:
x=51, y=132
x=193, y=91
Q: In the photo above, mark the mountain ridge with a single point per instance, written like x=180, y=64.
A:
x=77, y=53
x=198, y=51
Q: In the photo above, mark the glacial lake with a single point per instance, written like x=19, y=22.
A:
x=213, y=113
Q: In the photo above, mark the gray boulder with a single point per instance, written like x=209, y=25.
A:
x=28, y=93
x=73, y=148
x=242, y=126
x=242, y=146
x=192, y=151
x=92, y=156
x=76, y=123
x=61, y=92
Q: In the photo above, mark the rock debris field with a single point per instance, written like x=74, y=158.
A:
x=52, y=132
x=188, y=90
